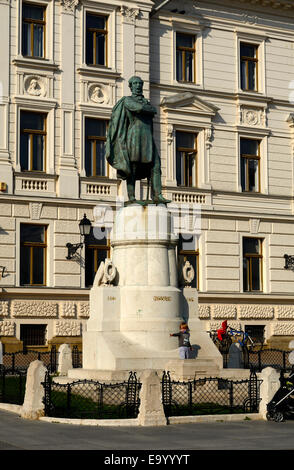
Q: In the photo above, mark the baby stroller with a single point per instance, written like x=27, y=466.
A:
x=281, y=405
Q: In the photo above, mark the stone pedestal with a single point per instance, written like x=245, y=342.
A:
x=130, y=322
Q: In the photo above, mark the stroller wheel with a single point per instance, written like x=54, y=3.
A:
x=269, y=416
x=278, y=417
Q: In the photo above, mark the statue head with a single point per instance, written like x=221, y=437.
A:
x=136, y=85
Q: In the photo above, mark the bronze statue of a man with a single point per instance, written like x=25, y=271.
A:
x=130, y=146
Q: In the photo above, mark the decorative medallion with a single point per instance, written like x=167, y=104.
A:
x=98, y=94
x=35, y=86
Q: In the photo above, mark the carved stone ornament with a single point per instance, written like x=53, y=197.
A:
x=249, y=19
x=4, y=308
x=106, y=273
x=252, y=117
x=186, y=274
x=35, y=86
x=170, y=134
x=208, y=137
x=129, y=14
x=84, y=310
x=254, y=225
x=7, y=328
x=34, y=308
x=67, y=328
x=98, y=94
x=70, y=5
x=35, y=210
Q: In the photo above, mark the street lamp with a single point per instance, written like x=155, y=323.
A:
x=85, y=228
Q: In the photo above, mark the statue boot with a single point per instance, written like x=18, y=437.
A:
x=157, y=196
x=131, y=189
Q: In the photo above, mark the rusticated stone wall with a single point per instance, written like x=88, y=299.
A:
x=67, y=316
x=280, y=318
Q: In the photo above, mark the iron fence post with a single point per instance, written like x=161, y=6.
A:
x=100, y=400
x=166, y=392
x=13, y=362
x=20, y=387
x=68, y=398
x=231, y=394
x=47, y=394
x=190, y=395
x=53, y=359
x=259, y=361
x=253, y=391
x=2, y=391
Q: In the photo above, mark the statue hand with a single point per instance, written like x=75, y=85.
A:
x=148, y=108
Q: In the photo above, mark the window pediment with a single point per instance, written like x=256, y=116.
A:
x=190, y=105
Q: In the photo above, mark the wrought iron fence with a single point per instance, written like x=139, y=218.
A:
x=12, y=385
x=210, y=396
x=20, y=360
x=276, y=358
x=91, y=399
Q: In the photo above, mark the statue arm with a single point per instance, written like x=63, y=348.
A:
x=137, y=107
x=133, y=105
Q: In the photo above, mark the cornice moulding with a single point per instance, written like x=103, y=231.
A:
x=98, y=72
x=35, y=64
x=35, y=102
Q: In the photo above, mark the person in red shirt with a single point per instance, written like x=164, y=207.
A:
x=222, y=331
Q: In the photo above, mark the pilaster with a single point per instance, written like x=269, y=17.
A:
x=6, y=173
x=68, y=172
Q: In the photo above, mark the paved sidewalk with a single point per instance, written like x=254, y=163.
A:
x=19, y=434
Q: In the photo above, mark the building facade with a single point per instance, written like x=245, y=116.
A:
x=221, y=75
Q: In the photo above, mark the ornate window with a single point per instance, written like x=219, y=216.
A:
x=96, y=251
x=32, y=141
x=185, y=57
x=250, y=165
x=95, y=138
x=33, y=30
x=96, y=39
x=187, y=251
x=186, y=159
x=252, y=264
x=33, y=246
x=249, y=67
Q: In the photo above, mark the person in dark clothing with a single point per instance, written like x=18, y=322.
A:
x=184, y=341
